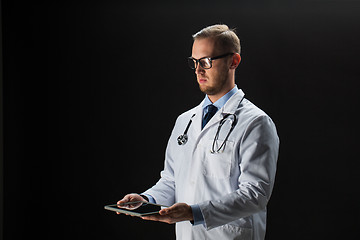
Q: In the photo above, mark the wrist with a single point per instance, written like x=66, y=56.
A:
x=144, y=197
x=191, y=215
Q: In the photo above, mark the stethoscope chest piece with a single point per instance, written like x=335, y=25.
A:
x=182, y=139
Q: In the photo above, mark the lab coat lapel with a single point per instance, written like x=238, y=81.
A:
x=230, y=107
x=196, y=127
x=233, y=104
x=215, y=119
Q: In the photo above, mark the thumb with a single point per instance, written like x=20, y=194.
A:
x=165, y=211
x=124, y=200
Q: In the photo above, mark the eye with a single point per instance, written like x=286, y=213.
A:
x=205, y=63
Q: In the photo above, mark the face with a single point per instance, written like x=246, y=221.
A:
x=215, y=81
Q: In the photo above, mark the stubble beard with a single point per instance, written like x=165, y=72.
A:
x=217, y=87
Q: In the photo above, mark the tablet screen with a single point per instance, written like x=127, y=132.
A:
x=136, y=208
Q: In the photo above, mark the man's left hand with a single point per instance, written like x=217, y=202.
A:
x=176, y=213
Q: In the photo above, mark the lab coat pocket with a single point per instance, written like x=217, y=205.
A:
x=218, y=164
x=236, y=233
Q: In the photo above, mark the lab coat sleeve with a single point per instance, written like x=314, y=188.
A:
x=257, y=161
x=164, y=190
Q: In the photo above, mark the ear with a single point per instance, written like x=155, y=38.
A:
x=235, y=61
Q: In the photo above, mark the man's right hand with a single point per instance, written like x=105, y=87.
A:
x=133, y=197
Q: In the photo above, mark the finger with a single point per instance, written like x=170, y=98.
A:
x=124, y=200
x=168, y=210
x=147, y=218
x=165, y=211
x=159, y=218
x=152, y=218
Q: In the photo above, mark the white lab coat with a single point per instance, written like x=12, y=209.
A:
x=232, y=188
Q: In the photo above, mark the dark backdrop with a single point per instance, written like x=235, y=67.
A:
x=79, y=78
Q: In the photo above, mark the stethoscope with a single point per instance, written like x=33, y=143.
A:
x=182, y=139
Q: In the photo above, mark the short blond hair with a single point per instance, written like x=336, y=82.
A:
x=223, y=36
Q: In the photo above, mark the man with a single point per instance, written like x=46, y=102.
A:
x=217, y=179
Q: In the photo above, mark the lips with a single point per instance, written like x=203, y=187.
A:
x=202, y=80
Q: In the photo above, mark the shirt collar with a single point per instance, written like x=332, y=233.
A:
x=221, y=102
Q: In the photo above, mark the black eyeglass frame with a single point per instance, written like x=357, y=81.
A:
x=197, y=61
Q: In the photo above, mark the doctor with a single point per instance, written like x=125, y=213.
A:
x=221, y=157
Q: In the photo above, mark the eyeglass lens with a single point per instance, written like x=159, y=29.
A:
x=204, y=63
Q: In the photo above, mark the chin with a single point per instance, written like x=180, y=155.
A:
x=207, y=90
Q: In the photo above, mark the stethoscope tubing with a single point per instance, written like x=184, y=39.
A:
x=227, y=135
x=183, y=138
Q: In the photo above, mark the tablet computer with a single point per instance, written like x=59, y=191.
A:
x=138, y=209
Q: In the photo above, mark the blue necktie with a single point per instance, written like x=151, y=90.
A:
x=211, y=112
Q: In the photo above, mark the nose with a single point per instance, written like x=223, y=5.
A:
x=199, y=69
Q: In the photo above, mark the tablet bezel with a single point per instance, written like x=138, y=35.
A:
x=115, y=208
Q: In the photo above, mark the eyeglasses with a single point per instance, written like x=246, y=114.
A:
x=205, y=62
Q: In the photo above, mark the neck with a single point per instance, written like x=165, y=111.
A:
x=214, y=97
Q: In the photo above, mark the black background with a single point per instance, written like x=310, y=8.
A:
x=91, y=90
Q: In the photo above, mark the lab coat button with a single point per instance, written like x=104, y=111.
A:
x=204, y=172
